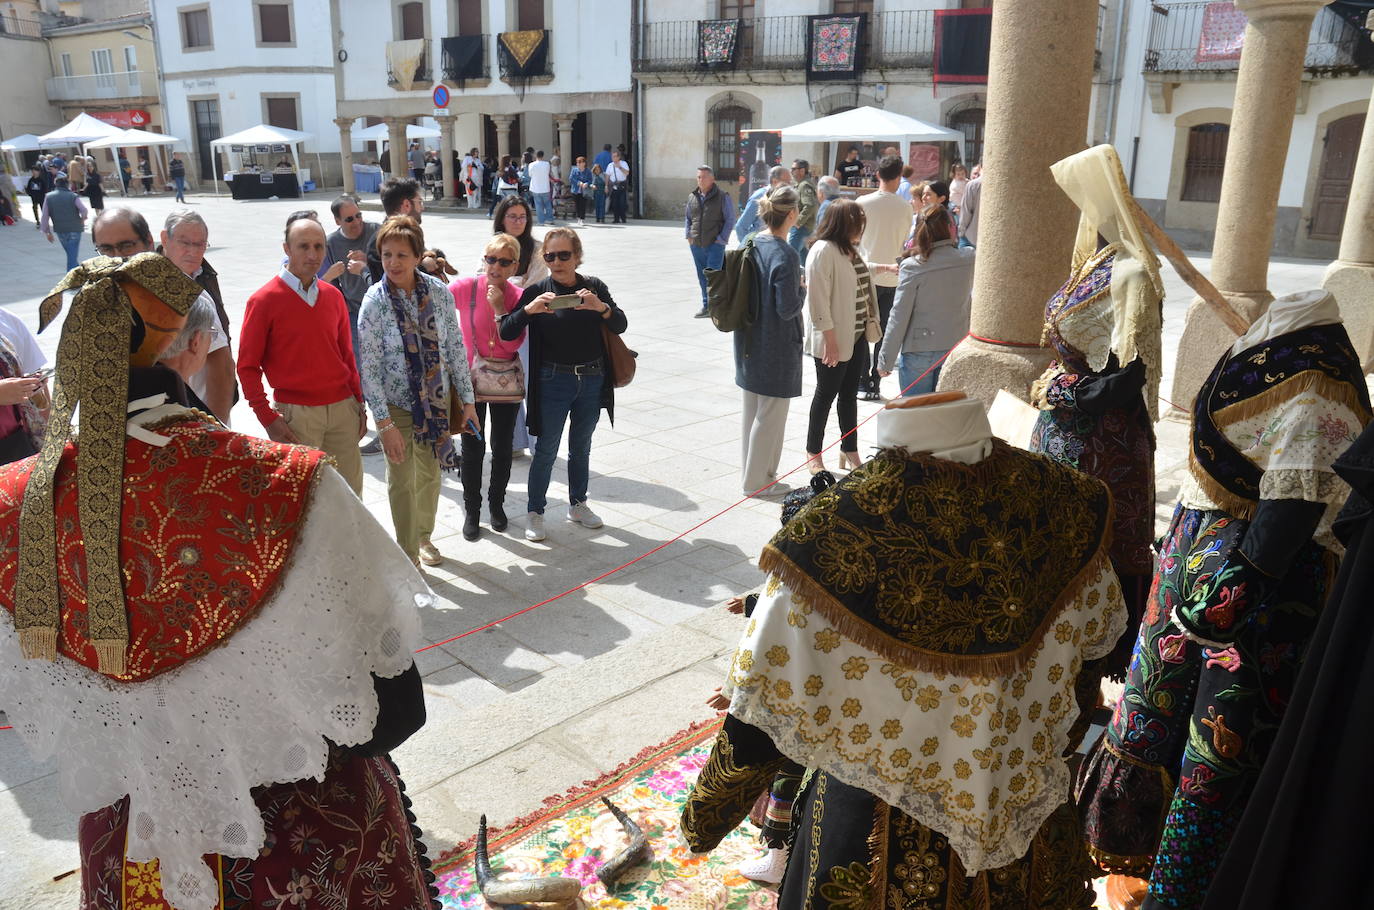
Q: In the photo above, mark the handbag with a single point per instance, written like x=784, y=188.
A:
x=619, y=358
x=495, y=380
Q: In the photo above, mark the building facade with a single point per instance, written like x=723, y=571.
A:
x=24, y=104
x=1175, y=112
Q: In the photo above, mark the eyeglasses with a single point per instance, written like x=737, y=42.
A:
x=561, y=255
x=502, y=261
x=122, y=248
x=351, y=218
x=516, y=216
x=191, y=244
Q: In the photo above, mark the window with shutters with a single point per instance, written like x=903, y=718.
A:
x=1205, y=162
x=723, y=125
x=411, y=21
x=529, y=14
x=468, y=14
x=195, y=28
x=744, y=10
x=274, y=25
x=282, y=111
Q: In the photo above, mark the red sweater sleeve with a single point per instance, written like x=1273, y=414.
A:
x=252, y=342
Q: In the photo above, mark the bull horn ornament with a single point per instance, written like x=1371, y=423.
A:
x=557, y=889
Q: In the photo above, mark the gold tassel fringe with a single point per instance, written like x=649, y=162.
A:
x=110, y=656
x=38, y=643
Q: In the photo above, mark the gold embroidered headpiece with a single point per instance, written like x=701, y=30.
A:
x=134, y=305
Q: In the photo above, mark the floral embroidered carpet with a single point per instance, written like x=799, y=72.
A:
x=574, y=836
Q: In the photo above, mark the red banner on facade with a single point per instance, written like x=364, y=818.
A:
x=124, y=119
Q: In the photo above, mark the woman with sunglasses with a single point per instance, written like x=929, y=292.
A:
x=482, y=300
x=515, y=219
x=568, y=376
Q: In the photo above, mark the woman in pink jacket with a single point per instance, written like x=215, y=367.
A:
x=482, y=301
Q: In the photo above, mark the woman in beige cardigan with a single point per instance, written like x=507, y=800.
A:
x=842, y=308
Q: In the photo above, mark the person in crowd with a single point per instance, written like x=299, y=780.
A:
x=749, y=221
x=958, y=180
x=850, y=171
x=827, y=191
x=187, y=353
x=568, y=377
x=145, y=176
x=415, y=157
x=185, y=237
x=248, y=554
x=37, y=189
x=6, y=210
x=930, y=314
x=76, y=175
x=63, y=218
x=507, y=180
x=125, y=171
x=474, y=178
x=904, y=187
x=345, y=267
x=599, y=193
x=295, y=333
x=482, y=301
x=842, y=310
x=399, y=196
x=177, y=171
x=710, y=213
x=414, y=370
x=768, y=355
x=95, y=191
x=541, y=187
x=886, y=219
x=434, y=174
x=579, y=185
x=618, y=182
x=23, y=391
x=808, y=208
x=514, y=218
x=603, y=157
x=969, y=208
x=923, y=197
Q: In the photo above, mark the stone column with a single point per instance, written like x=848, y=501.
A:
x=345, y=125
x=565, y=128
x=1039, y=87
x=503, y=125
x=1261, y=126
x=446, y=154
x=398, y=145
x=1351, y=277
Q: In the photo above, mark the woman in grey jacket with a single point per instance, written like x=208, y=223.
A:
x=931, y=310
x=768, y=356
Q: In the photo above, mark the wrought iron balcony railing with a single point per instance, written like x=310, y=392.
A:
x=102, y=86
x=1178, y=42
x=422, y=72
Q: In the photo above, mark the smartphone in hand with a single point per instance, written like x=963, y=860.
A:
x=565, y=302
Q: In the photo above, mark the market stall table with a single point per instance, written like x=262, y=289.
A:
x=367, y=178
x=264, y=186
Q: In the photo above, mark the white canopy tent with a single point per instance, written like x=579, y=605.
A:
x=83, y=128
x=868, y=122
x=136, y=138
x=263, y=134
x=379, y=133
x=26, y=142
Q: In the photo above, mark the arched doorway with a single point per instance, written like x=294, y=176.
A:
x=970, y=121
x=723, y=124
x=1339, y=151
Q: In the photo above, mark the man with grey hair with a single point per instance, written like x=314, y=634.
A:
x=187, y=353
x=185, y=237
x=710, y=215
x=345, y=267
x=749, y=216
x=828, y=189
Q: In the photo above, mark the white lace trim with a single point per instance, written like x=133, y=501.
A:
x=980, y=760
x=189, y=745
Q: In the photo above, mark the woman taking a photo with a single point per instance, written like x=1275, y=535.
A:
x=568, y=377
x=768, y=357
x=482, y=301
x=842, y=309
x=930, y=312
x=515, y=219
x=411, y=358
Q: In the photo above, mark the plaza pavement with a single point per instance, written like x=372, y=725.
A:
x=536, y=704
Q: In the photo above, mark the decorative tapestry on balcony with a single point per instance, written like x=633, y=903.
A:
x=523, y=55
x=1223, y=33
x=963, y=41
x=717, y=40
x=463, y=58
x=834, y=47
x=405, y=60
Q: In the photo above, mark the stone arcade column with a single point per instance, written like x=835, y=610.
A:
x=397, y=145
x=449, y=170
x=564, y=126
x=1351, y=277
x=345, y=125
x=503, y=124
x=1039, y=88
x=1261, y=126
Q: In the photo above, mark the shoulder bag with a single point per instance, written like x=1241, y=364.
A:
x=495, y=380
x=620, y=360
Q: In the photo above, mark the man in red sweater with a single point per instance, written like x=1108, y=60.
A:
x=296, y=332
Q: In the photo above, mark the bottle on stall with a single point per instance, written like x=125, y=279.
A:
x=758, y=171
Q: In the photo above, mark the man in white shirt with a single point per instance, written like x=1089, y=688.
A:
x=541, y=187
x=887, y=223
x=617, y=178
x=970, y=209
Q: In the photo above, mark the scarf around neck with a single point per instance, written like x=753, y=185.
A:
x=429, y=409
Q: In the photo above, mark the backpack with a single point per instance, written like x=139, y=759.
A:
x=730, y=290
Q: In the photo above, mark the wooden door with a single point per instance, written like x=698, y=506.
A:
x=469, y=17
x=412, y=21
x=529, y=14
x=1340, y=148
x=741, y=9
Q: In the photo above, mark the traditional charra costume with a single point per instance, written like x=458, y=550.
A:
x=1098, y=399
x=1244, y=570
x=923, y=644
x=207, y=632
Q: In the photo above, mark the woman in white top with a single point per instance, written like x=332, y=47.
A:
x=841, y=305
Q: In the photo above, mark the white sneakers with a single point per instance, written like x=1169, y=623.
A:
x=767, y=868
x=578, y=512
x=534, y=526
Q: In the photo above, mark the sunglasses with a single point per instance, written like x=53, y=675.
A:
x=352, y=218
x=122, y=248
x=502, y=261
x=561, y=255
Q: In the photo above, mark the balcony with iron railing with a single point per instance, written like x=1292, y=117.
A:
x=461, y=64
x=15, y=27
x=422, y=72
x=103, y=87
x=1179, y=43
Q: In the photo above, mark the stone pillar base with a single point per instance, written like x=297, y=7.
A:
x=980, y=369
x=1204, y=339
x=1352, y=284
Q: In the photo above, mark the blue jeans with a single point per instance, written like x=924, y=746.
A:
x=796, y=239
x=71, y=242
x=563, y=395
x=707, y=257
x=543, y=207
x=600, y=199
x=181, y=188
x=912, y=364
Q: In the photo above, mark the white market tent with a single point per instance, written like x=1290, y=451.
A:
x=83, y=128
x=868, y=122
x=133, y=139
x=27, y=142
x=379, y=133
x=263, y=134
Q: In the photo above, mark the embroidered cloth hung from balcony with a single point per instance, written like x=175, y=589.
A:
x=404, y=59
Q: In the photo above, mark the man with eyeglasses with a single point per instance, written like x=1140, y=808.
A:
x=185, y=237
x=345, y=260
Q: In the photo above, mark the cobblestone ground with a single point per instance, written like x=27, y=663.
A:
x=536, y=704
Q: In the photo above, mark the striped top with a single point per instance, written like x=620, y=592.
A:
x=861, y=292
